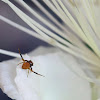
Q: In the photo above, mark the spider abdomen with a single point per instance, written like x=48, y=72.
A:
x=25, y=65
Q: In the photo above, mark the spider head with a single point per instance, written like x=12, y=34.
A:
x=30, y=62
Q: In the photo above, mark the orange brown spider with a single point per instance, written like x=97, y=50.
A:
x=27, y=64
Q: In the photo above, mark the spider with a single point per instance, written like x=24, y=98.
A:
x=27, y=64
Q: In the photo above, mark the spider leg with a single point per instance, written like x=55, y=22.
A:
x=21, y=54
x=28, y=72
x=36, y=72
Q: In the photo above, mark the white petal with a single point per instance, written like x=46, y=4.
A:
x=43, y=50
x=60, y=83
x=7, y=75
x=27, y=84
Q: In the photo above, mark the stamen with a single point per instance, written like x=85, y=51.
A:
x=50, y=36
x=9, y=53
x=28, y=31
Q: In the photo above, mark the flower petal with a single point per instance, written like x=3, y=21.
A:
x=60, y=83
x=7, y=75
x=27, y=84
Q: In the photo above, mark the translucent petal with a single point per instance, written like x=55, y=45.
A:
x=7, y=75
x=59, y=83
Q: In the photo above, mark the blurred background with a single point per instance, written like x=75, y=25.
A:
x=11, y=38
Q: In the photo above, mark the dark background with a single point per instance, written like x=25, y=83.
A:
x=11, y=38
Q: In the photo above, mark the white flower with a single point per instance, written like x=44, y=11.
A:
x=76, y=34
x=59, y=81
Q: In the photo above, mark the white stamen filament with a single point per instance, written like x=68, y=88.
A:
x=28, y=31
x=9, y=53
x=22, y=15
x=52, y=42
x=80, y=32
x=73, y=39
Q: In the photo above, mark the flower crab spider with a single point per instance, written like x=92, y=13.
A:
x=27, y=64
